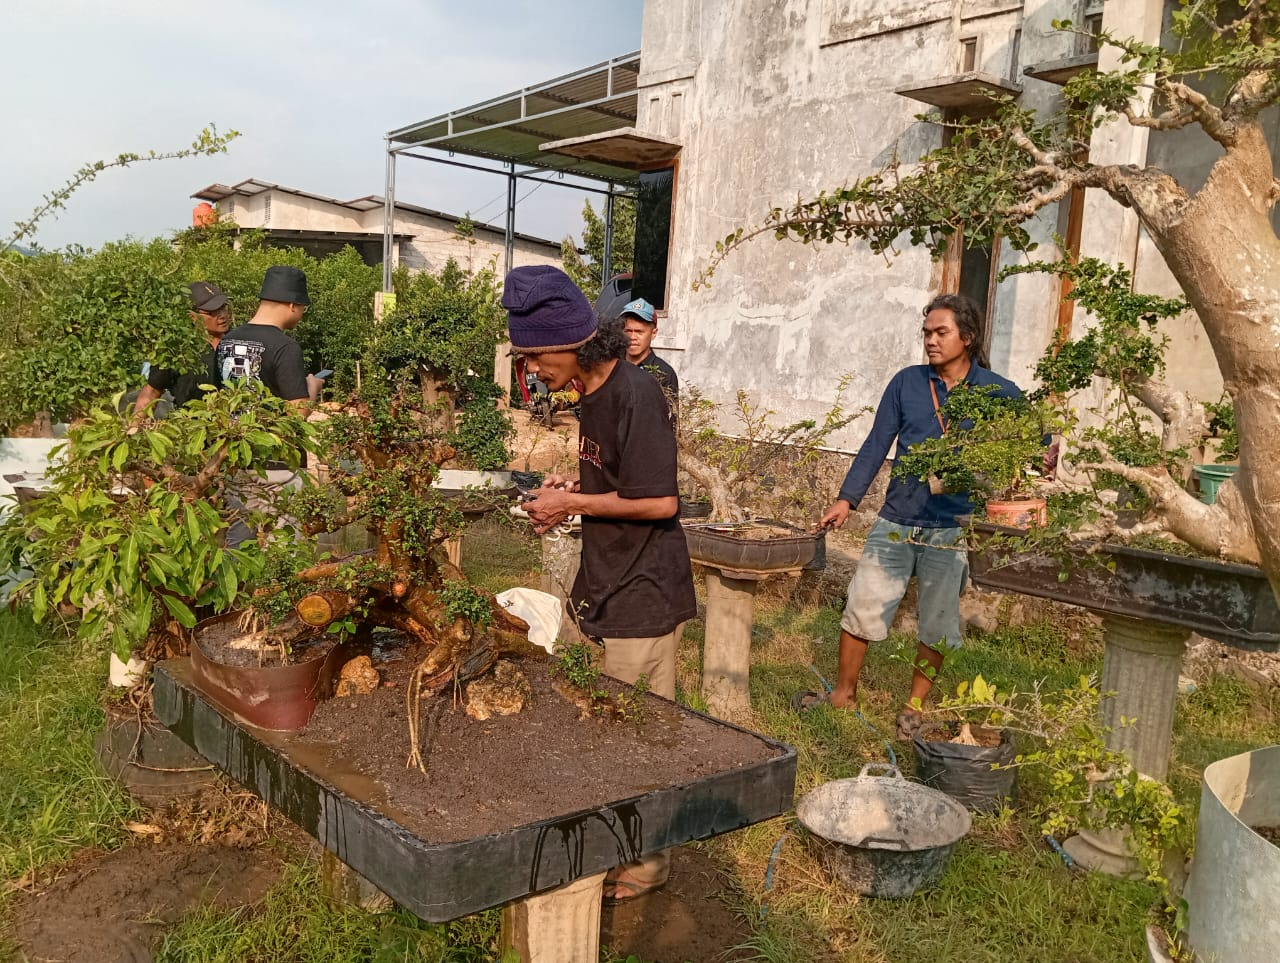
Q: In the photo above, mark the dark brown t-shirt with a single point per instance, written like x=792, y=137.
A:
x=635, y=580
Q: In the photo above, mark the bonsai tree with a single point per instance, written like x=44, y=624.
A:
x=445, y=330
x=995, y=448
x=1219, y=74
x=763, y=469
x=385, y=452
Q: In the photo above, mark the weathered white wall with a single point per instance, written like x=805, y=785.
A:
x=434, y=238
x=767, y=108
x=772, y=100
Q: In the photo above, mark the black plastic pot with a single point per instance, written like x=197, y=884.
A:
x=694, y=509
x=965, y=773
x=1231, y=603
x=443, y=881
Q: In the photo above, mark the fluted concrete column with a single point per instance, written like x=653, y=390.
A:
x=1140, y=664
x=562, y=926
x=726, y=652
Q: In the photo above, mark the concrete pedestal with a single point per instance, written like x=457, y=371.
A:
x=1140, y=664
x=561, y=926
x=726, y=654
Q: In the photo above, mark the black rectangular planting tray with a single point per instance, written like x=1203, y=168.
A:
x=443, y=881
x=1231, y=603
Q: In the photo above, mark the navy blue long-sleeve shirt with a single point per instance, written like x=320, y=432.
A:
x=906, y=413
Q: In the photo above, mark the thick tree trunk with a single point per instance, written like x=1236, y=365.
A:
x=1223, y=251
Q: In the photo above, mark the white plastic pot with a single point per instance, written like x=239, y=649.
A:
x=126, y=675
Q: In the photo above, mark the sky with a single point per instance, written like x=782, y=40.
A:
x=311, y=85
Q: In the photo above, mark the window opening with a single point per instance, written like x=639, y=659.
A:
x=655, y=195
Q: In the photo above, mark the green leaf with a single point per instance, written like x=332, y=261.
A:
x=179, y=610
x=39, y=604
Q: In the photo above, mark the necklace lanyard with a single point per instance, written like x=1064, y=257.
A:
x=937, y=407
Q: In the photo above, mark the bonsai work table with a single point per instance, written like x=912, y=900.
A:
x=1150, y=603
x=548, y=873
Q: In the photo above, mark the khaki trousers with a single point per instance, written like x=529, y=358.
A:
x=626, y=660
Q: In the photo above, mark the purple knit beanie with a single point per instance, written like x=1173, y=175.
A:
x=546, y=311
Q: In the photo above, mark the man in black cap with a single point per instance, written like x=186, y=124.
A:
x=210, y=309
x=261, y=351
x=634, y=589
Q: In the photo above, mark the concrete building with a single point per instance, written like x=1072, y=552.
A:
x=424, y=239
x=729, y=110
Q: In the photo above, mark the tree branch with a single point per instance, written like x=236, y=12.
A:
x=1222, y=529
x=1195, y=108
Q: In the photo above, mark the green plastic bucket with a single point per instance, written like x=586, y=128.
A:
x=1210, y=477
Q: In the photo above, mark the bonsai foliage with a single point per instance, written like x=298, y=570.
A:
x=762, y=470
x=994, y=447
x=1219, y=73
x=1075, y=780
x=208, y=143
x=133, y=529
x=79, y=324
x=446, y=329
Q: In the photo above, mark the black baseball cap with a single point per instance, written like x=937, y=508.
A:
x=206, y=296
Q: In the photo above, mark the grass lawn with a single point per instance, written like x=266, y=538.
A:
x=1005, y=897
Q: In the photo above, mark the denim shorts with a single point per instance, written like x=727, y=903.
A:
x=894, y=553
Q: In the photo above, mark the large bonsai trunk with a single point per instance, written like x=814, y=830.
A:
x=1221, y=247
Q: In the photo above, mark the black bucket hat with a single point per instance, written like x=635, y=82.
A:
x=284, y=283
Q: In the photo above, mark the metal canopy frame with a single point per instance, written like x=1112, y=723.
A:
x=505, y=135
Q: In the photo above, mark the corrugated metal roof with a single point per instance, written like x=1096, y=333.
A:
x=510, y=128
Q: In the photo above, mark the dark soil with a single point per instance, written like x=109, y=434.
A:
x=509, y=771
x=688, y=919
x=1270, y=833
x=950, y=731
x=113, y=908
x=216, y=638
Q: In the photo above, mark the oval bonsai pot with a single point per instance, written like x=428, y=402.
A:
x=279, y=697
x=720, y=547
x=1224, y=601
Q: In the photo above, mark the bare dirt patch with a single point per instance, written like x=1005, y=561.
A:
x=688, y=919
x=114, y=907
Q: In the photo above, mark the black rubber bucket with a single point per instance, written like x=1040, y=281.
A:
x=883, y=836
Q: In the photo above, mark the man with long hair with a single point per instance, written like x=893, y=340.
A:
x=917, y=532
x=634, y=589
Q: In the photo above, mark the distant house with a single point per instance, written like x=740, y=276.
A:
x=424, y=240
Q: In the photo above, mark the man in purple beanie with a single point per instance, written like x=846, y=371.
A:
x=634, y=589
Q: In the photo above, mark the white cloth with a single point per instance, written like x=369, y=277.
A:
x=541, y=610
